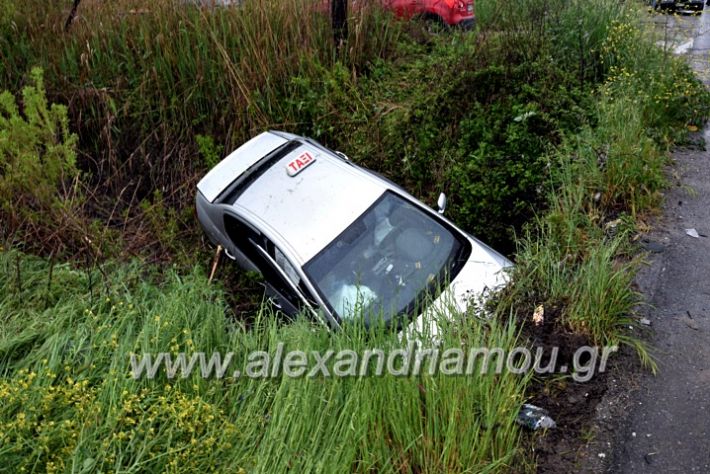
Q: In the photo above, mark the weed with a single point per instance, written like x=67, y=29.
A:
x=211, y=152
x=68, y=393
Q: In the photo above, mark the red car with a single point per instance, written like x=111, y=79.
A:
x=449, y=12
x=445, y=12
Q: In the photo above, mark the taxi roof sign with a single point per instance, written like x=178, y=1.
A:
x=298, y=164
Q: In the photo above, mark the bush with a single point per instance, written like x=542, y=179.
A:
x=8, y=9
x=37, y=164
x=668, y=94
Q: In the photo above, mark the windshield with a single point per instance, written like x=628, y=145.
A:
x=387, y=260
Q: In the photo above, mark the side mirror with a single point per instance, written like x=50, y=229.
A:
x=441, y=203
x=342, y=155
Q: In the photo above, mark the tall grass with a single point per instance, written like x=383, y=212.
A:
x=70, y=402
x=141, y=78
x=569, y=32
x=145, y=81
x=141, y=81
x=578, y=256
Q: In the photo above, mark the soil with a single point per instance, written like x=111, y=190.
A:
x=571, y=404
x=575, y=406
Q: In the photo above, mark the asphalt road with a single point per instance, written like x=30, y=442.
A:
x=668, y=425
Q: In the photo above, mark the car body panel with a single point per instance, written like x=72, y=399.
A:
x=328, y=195
x=451, y=12
x=484, y=271
x=680, y=6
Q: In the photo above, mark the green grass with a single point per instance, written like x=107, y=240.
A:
x=70, y=403
x=163, y=69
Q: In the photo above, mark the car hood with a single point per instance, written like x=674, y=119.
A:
x=485, y=270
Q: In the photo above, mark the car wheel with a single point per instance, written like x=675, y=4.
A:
x=434, y=24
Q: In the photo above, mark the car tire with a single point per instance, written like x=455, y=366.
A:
x=434, y=24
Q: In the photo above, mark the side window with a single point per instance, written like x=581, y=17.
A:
x=248, y=241
x=286, y=266
x=245, y=239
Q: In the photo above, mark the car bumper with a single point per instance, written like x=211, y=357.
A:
x=695, y=5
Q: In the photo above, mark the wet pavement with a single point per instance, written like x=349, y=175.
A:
x=668, y=427
x=687, y=36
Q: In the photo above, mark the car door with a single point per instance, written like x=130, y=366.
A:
x=403, y=8
x=279, y=286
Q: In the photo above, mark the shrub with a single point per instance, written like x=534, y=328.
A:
x=578, y=255
x=668, y=94
x=37, y=163
x=211, y=152
x=8, y=9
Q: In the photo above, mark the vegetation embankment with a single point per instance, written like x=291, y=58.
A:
x=548, y=127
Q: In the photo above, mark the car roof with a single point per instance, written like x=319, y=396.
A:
x=309, y=210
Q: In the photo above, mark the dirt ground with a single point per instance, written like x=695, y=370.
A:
x=628, y=420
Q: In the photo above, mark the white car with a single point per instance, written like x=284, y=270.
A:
x=337, y=241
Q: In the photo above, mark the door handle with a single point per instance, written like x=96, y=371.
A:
x=229, y=255
x=274, y=302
